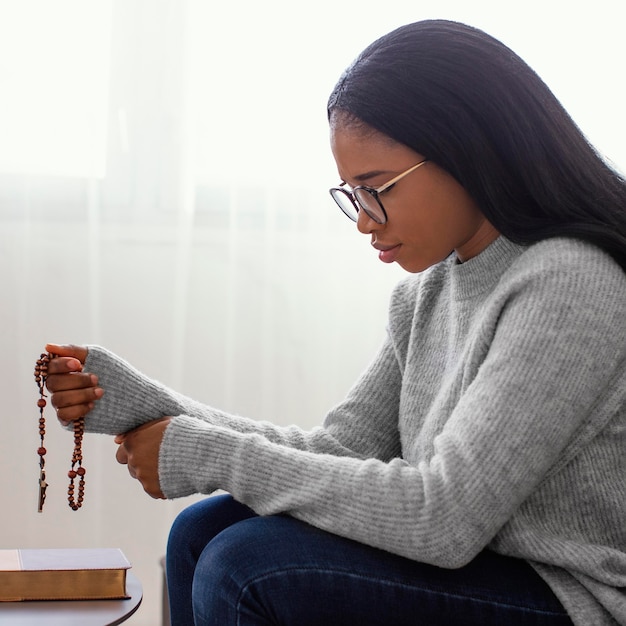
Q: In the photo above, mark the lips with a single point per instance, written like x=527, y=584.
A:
x=387, y=254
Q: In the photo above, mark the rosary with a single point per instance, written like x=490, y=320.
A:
x=77, y=470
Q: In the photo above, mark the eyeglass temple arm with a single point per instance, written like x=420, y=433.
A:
x=399, y=176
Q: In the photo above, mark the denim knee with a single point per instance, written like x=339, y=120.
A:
x=199, y=523
x=195, y=528
x=220, y=578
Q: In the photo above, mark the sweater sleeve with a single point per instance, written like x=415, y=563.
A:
x=132, y=399
x=550, y=346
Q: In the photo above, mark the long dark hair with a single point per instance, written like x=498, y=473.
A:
x=467, y=102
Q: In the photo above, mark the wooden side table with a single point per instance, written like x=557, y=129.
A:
x=75, y=612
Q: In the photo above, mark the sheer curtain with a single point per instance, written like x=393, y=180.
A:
x=163, y=176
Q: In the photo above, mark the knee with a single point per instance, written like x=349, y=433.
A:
x=222, y=556
x=249, y=568
x=247, y=551
x=181, y=531
x=199, y=523
x=221, y=576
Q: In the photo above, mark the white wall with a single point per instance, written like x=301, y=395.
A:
x=269, y=309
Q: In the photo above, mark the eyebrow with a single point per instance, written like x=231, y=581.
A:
x=361, y=178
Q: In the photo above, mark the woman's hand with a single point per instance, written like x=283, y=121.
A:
x=139, y=449
x=73, y=392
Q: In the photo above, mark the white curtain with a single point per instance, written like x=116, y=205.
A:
x=163, y=191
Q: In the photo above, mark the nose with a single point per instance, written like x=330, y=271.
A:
x=366, y=224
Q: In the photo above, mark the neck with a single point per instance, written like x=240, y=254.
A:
x=485, y=235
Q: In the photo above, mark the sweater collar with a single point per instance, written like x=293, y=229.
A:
x=481, y=272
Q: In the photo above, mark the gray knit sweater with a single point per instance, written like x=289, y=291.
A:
x=493, y=416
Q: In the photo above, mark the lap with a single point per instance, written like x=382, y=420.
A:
x=278, y=570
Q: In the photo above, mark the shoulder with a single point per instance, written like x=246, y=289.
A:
x=570, y=289
x=564, y=255
x=569, y=267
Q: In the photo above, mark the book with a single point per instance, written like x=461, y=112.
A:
x=63, y=574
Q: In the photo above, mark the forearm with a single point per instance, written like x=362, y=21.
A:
x=132, y=399
x=390, y=505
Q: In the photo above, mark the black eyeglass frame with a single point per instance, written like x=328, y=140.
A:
x=371, y=192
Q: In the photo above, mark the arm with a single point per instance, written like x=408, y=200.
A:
x=139, y=448
x=542, y=361
x=124, y=399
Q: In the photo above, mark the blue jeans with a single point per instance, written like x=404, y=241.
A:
x=226, y=565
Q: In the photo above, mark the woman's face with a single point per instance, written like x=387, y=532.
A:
x=429, y=214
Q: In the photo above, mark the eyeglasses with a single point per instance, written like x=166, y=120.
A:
x=366, y=198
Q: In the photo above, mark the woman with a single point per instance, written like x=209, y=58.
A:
x=475, y=473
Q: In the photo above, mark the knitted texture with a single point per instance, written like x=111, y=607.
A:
x=493, y=416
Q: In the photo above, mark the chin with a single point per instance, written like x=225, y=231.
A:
x=415, y=266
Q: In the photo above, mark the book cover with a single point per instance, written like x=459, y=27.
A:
x=63, y=574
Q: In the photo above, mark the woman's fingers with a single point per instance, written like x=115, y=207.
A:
x=64, y=365
x=70, y=380
x=73, y=397
x=73, y=413
x=121, y=456
x=73, y=392
x=76, y=403
x=138, y=449
x=68, y=350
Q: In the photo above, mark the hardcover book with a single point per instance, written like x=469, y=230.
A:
x=63, y=574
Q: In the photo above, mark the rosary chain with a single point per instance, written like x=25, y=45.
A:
x=77, y=471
